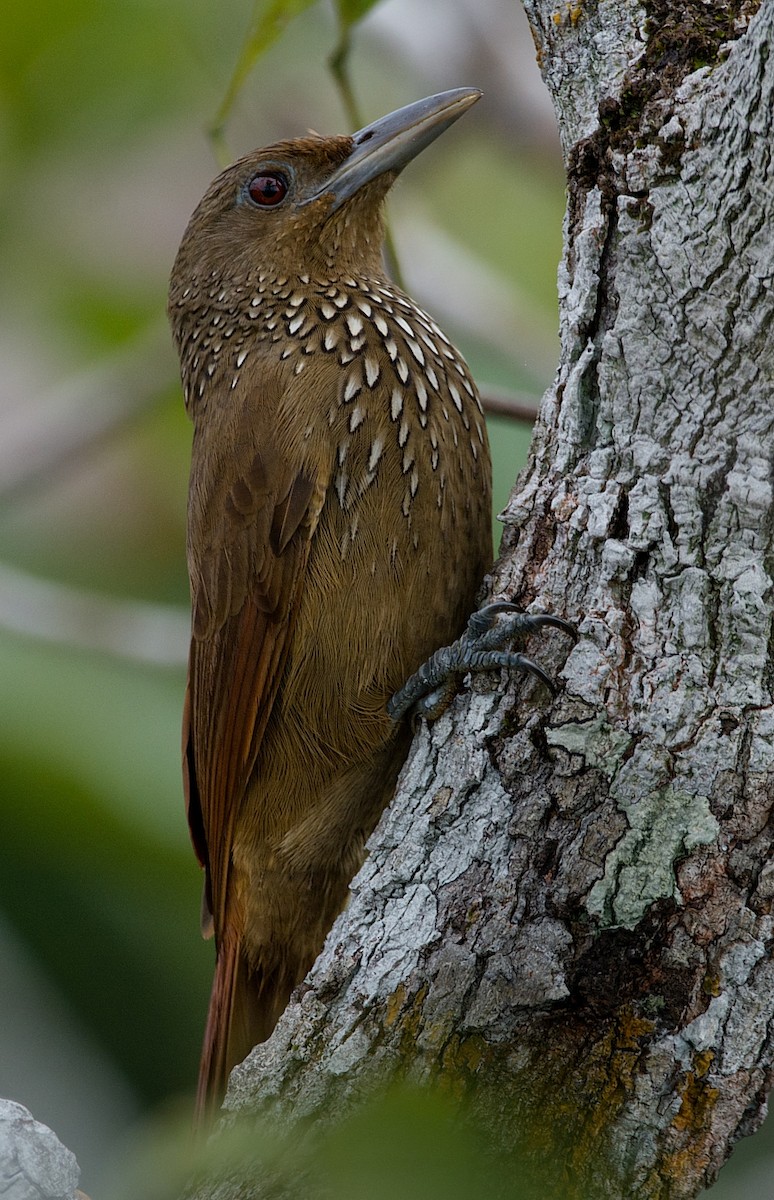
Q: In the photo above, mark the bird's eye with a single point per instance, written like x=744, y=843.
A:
x=268, y=189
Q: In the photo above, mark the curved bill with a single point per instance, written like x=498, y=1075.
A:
x=392, y=141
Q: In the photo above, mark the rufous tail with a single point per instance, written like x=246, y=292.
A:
x=245, y=1005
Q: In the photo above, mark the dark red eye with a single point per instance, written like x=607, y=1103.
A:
x=268, y=189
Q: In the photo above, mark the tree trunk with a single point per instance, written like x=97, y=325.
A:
x=566, y=910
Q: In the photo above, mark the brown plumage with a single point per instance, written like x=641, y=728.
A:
x=338, y=529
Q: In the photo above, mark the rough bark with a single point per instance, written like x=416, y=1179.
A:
x=566, y=911
x=34, y=1165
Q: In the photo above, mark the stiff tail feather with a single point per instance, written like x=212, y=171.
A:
x=245, y=1005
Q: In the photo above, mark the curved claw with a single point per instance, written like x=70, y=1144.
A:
x=484, y=618
x=556, y=623
x=488, y=660
x=483, y=647
x=526, y=664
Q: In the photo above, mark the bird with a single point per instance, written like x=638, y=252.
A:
x=338, y=530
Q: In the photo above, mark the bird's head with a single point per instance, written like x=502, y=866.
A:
x=312, y=205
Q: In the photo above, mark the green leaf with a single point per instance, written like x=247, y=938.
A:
x=350, y=12
x=270, y=17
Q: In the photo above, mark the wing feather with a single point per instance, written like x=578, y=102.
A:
x=252, y=513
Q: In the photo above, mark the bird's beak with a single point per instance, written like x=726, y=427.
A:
x=392, y=141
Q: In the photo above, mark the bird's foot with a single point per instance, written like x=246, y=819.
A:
x=484, y=646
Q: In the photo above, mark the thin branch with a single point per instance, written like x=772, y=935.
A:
x=516, y=406
x=129, y=629
x=51, y=436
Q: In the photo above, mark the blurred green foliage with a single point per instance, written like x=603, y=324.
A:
x=409, y=1142
x=95, y=875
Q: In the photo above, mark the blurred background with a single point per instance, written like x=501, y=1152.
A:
x=104, y=108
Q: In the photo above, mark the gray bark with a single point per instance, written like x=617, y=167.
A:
x=566, y=911
x=34, y=1165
